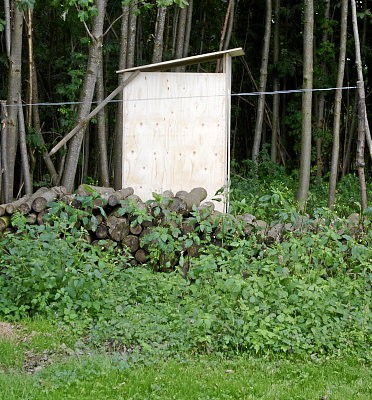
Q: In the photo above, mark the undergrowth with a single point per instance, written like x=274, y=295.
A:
x=308, y=294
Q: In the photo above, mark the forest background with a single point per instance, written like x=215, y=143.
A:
x=59, y=58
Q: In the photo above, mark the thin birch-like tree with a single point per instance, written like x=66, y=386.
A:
x=14, y=89
x=362, y=110
x=337, y=108
x=262, y=85
x=86, y=96
x=276, y=86
x=307, y=96
x=320, y=100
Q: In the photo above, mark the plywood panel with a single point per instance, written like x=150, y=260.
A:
x=175, y=133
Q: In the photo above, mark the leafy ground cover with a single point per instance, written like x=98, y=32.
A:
x=249, y=319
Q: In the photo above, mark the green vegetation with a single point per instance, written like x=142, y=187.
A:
x=300, y=306
x=104, y=377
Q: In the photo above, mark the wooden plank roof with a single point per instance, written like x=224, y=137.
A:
x=185, y=61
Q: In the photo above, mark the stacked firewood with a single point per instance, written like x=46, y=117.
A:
x=121, y=218
x=109, y=215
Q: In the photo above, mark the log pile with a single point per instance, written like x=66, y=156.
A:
x=173, y=224
x=108, y=215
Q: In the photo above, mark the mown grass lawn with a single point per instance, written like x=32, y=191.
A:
x=37, y=362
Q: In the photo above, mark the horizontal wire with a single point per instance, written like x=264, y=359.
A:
x=187, y=97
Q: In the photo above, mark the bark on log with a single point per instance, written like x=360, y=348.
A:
x=141, y=256
x=2, y=209
x=178, y=205
x=181, y=194
x=118, y=228
x=132, y=242
x=207, y=205
x=87, y=190
x=31, y=218
x=26, y=206
x=102, y=231
x=40, y=217
x=195, y=197
x=115, y=198
x=135, y=230
x=4, y=222
x=40, y=203
x=134, y=197
x=11, y=208
x=103, y=192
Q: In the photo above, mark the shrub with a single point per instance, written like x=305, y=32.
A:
x=47, y=270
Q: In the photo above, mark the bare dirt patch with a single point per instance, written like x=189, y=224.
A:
x=8, y=331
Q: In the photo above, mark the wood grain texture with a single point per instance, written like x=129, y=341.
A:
x=176, y=133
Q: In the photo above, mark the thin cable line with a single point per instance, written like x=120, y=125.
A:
x=187, y=97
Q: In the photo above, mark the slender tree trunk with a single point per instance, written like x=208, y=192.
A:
x=7, y=27
x=337, y=108
x=188, y=28
x=350, y=135
x=262, y=86
x=101, y=127
x=118, y=142
x=37, y=126
x=14, y=89
x=202, y=34
x=132, y=34
x=23, y=149
x=30, y=89
x=276, y=86
x=320, y=103
x=181, y=34
x=305, y=160
x=362, y=110
x=228, y=23
x=85, y=156
x=360, y=146
x=229, y=9
x=4, y=198
x=230, y=26
x=157, y=54
x=86, y=95
x=176, y=16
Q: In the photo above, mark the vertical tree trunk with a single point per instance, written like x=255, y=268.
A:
x=188, y=28
x=127, y=52
x=101, y=127
x=176, y=15
x=7, y=27
x=262, y=86
x=118, y=141
x=86, y=95
x=350, y=135
x=14, y=89
x=320, y=103
x=157, y=54
x=337, y=107
x=181, y=33
x=23, y=149
x=37, y=126
x=132, y=34
x=362, y=110
x=305, y=160
x=4, y=198
x=276, y=86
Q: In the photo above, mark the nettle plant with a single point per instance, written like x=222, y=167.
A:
x=52, y=270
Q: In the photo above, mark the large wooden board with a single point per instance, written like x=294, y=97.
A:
x=176, y=130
